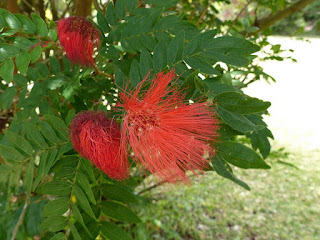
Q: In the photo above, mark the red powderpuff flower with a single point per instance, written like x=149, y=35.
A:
x=97, y=138
x=78, y=37
x=167, y=136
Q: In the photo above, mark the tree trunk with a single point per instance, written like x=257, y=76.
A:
x=83, y=8
x=270, y=20
x=13, y=6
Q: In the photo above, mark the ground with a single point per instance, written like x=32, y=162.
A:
x=284, y=201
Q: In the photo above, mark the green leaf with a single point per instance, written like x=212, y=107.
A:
x=35, y=53
x=18, y=142
x=41, y=26
x=120, y=78
x=41, y=168
x=216, y=86
x=56, y=207
x=27, y=25
x=77, y=215
x=54, y=224
x=22, y=61
x=6, y=70
x=259, y=140
x=11, y=21
x=86, y=166
x=58, y=125
x=58, y=236
x=111, y=15
x=240, y=103
x=74, y=232
x=43, y=69
x=10, y=154
x=120, y=8
x=237, y=121
x=85, y=186
x=118, y=192
x=224, y=170
x=34, y=135
x=145, y=63
x=20, y=80
x=2, y=23
x=113, y=232
x=83, y=201
x=148, y=41
x=240, y=155
x=48, y=132
x=160, y=56
x=102, y=22
x=53, y=34
x=56, y=188
x=197, y=62
x=175, y=50
x=227, y=57
x=8, y=51
x=22, y=43
x=134, y=73
x=50, y=161
x=199, y=42
x=119, y=212
x=6, y=98
x=29, y=176
x=55, y=65
x=132, y=4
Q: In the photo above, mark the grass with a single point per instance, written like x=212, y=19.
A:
x=283, y=204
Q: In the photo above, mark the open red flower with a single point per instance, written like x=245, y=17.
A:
x=78, y=37
x=97, y=138
x=167, y=136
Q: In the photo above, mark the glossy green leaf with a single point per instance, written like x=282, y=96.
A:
x=224, y=170
x=29, y=176
x=8, y=51
x=237, y=121
x=54, y=224
x=10, y=20
x=58, y=125
x=34, y=135
x=56, y=207
x=83, y=201
x=6, y=98
x=175, y=50
x=120, y=8
x=118, y=192
x=6, y=70
x=160, y=56
x=74, y=232
x=259, y=140
x=216, y=86
x=41, y=26
x=198, y=63
x=58, y=236
x=10, y=154
x=56, y=188
x=119, y=212
x=18, y=142
x=85, y=186
x=48, y=132
x=134, y=73
x=26, y=24
x=53, y=34
x=102, y=22
x=111, y=15
x=35, y=53
x=240, y=155
x=77, y=215
x=22, y=43
x=22, y=61
x=240, y=103
x=113, y=232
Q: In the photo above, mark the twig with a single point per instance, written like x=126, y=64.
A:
x=203, y=13
x=20, y=221
x=242, y=10
x=99, y=72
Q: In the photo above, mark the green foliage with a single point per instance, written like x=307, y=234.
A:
x=43, y=93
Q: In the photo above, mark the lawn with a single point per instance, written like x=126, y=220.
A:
x=283, y=203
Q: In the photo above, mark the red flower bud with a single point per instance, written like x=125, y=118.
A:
x=78, y=37
x=97, y=138
x=167, y=136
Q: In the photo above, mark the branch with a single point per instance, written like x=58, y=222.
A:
x=242, y=10
x=203, y=13
x=270, y=20
x=20, y=221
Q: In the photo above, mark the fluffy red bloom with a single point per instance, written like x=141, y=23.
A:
x=97, y=138
x=167, y=136
x=78, y=37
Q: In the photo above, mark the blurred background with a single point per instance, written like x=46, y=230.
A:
x=284, y=201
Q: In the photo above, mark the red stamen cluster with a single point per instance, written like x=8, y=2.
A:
x=78, y=37
x=97, y=138
x=167, y=136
